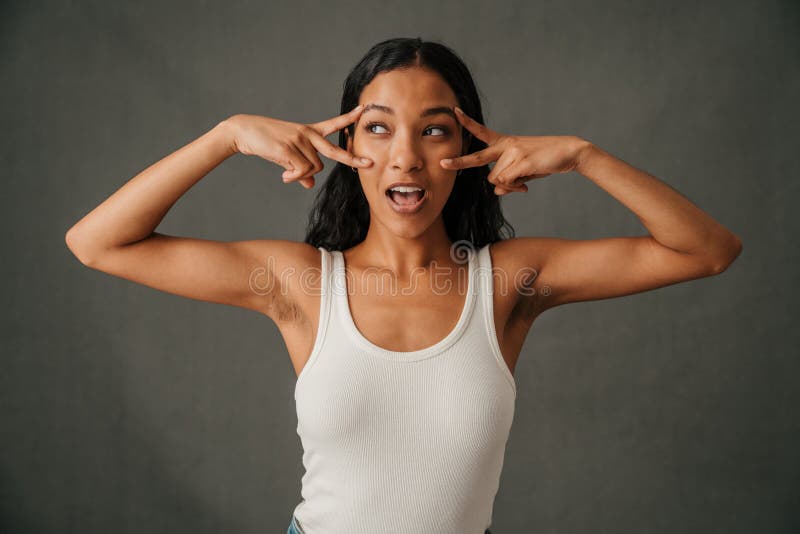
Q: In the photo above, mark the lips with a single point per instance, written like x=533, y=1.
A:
x=408, y=207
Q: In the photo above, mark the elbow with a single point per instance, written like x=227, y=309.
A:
x=732, y=251
x=73, y=241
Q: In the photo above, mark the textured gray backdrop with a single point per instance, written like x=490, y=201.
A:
x=127, y=410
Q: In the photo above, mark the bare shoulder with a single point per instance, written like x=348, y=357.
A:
x=292, y=269
x=517, y=263
x=283, y=257
x=520, y=258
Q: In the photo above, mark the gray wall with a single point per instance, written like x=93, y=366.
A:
x=124, y=409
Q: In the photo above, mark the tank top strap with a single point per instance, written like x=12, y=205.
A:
x=325, y=309
x=486, y=276
x=483, y=278
x=338, y=283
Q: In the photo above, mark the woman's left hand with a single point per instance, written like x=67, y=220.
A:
x=519, y=158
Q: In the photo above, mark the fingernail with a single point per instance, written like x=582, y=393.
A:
x=447, y=161
x=459, y=109
x=358, y=107
x=365, y=161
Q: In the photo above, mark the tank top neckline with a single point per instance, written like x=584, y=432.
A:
x=343, y=308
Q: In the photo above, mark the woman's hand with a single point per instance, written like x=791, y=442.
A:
x=294, y=146
x=519, y=158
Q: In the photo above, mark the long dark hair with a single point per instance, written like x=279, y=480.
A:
x=339, y=217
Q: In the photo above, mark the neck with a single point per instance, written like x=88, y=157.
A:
x=403, y=254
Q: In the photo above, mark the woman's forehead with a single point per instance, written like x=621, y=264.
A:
x=429, y=111
x=409, y=89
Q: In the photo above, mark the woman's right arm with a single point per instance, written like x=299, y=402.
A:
x=118, y=236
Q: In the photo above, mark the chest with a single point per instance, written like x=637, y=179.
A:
x=405, y=323
x=349, y=395
x=405, y=317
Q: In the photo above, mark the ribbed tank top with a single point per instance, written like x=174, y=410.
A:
x=403, y=442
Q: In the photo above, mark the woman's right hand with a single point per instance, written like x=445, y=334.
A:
x=292, y=145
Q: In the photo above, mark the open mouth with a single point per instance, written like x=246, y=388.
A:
x=406, y=199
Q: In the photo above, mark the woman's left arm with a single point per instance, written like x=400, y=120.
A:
x=673, y=220
x=684, y=241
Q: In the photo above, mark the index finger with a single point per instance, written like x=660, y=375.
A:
x=334, y=124
x=335, y=152
x=480, y=131
x=475, y=159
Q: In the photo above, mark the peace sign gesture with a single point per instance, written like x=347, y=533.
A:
x=519, y=158
x=294, y=146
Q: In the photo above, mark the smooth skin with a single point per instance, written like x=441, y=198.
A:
x=266, y=275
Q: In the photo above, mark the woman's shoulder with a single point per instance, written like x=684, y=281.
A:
x=293, y=268
x=520, y=260
x=283, y=255
x=519, y=252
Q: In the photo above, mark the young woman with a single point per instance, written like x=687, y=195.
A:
x=405, y=397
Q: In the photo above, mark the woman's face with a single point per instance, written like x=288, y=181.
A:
x=405, y=139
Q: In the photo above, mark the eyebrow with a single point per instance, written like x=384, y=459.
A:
x=426, y=113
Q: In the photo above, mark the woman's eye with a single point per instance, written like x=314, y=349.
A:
x=369, y=127
x=444, y=130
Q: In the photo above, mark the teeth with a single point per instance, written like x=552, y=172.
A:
x=402, y=189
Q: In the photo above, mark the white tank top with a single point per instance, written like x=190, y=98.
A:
x=403, y=442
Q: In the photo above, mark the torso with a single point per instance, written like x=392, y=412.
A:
x=418, y=314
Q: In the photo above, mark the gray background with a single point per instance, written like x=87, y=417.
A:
x=125, y=409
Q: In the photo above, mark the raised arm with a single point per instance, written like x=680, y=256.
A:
x=684, y=241
x=118, y=236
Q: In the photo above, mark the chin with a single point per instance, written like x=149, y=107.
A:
x=408, y=226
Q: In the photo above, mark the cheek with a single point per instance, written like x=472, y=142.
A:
x=446, y=148
x=371, y=149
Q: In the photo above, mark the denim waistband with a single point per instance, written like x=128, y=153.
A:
x=294, y=527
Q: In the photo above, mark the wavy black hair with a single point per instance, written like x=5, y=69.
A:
x=339, y=217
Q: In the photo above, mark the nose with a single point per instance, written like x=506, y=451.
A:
x=404, y=156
